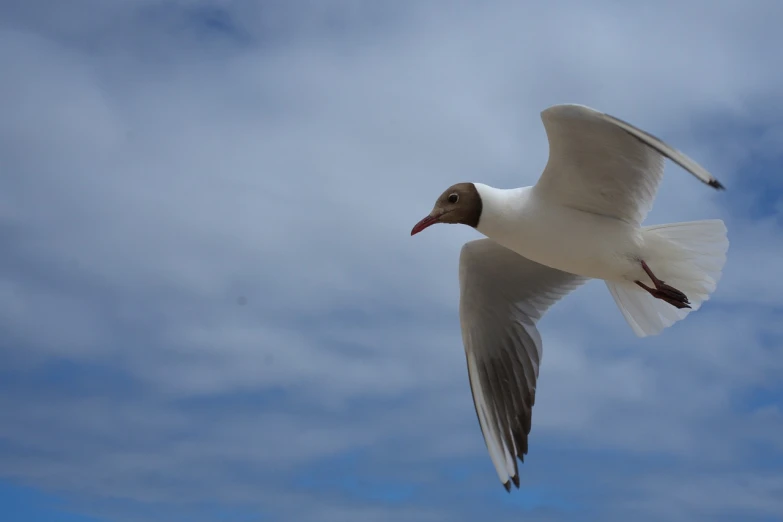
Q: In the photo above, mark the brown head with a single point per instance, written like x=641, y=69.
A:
x=460, y=203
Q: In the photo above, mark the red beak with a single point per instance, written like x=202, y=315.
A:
x=424, y=223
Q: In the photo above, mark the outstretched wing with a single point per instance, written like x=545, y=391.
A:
x=502, y=296
x=604, y=165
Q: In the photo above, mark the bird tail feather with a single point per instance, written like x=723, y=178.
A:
x=689, y=257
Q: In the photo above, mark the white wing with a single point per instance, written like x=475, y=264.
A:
x=603, y=165
x=502, y=296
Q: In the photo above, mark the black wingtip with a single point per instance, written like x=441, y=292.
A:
x=515, y=479
x=507, y=485
x=714, y=183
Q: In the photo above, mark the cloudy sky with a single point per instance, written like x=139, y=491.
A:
x=211, y=307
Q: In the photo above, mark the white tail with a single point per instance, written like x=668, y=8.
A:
x=690, y=257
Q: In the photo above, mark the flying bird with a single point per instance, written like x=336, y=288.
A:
x=581, y=220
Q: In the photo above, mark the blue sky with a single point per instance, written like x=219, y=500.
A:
x=211, y=307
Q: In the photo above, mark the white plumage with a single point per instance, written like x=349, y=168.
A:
x=581, y=220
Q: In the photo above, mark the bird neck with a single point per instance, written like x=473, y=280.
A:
x=502, y=209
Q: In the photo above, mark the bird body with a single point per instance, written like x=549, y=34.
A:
x=560, y=237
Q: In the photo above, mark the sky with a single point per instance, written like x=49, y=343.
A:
x=211, y=307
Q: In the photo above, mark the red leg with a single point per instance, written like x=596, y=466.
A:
x=663, y=291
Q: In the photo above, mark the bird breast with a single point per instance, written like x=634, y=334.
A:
x=566, y=239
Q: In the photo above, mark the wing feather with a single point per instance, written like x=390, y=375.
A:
x=601, y=164
x=502, y=296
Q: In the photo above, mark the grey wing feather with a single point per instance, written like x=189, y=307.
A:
x=604, y=165
x=502, y=297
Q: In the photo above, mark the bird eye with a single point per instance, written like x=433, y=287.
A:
x=453, y=197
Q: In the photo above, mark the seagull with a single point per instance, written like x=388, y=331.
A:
x=582, y=220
